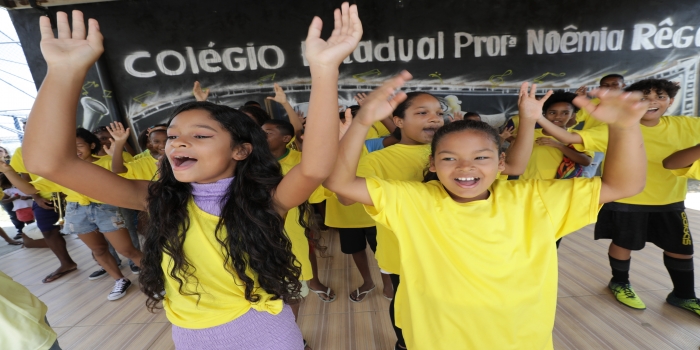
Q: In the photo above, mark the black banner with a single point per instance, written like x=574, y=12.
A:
x=476, y=51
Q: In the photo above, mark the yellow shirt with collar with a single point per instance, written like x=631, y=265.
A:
x=462, y=262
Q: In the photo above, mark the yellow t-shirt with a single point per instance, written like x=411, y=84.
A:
x=45, y=185
x=222, y=295
x=295, y=232
x=145, y=153
x=692, y=172
x=22, y=324
x=144, y=168
x=350, y=216
x=377, y=130
x=398, y=162
x=126, y=156
x=588, y=121
x=17, y=163
x=483, y=274
x=544, y=160
x=673, y=133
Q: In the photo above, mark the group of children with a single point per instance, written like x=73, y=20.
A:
x=468, y=257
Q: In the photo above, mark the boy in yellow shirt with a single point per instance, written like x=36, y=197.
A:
x=657, y=215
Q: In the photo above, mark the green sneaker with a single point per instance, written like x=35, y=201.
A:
x=625, y=294
x=692, y=305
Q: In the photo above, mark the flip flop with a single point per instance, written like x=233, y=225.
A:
x=54, y=276
x=14, y=243
x=387, y=298
x=327, y=293
x=360, y=294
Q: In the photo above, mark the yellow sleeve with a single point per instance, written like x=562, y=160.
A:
x=17, y=161
x=571, y=204
x=381, y=129
x=127, y=157
x=594, y=139
x=44, y=185
x=693, y=172
x=318, y=195
x=385, y=196
x=141, y=169
x=142, y=154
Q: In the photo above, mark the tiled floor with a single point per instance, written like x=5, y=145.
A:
x=587, y=315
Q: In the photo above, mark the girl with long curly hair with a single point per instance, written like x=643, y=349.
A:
x=215, y=241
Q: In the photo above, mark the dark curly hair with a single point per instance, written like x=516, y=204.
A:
x=258, y=113
x=560, y=96
x=90, y=138
x=457, y=126
x=250, y=230
x=658, y=85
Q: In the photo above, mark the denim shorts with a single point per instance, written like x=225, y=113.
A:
x=81, y=219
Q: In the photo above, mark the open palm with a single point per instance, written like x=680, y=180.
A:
x=71, y=49
x=343, y=40
x=615, y=107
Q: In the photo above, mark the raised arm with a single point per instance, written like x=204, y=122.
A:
x=17, y=180
x=49, y=142
x=119, y=137
x=320, y=146
x=199, y=93
x=281, y=98
x=530, y=109
x=565, y=137
x=625, y=159
x=683, y=158
x=381, y=102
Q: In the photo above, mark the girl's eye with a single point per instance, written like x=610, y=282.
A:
x=448, y=158
x=482, y=158
x=201, y=137
x=171, y=137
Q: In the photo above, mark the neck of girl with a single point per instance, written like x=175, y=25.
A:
x=209, y=197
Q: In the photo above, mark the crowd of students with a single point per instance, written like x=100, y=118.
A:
x=229, y=200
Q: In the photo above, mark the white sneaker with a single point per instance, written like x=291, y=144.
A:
x=119, y=291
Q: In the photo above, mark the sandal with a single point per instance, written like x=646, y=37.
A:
x=360, y=294
x=386, y=297
x=56, y=275
x=327, y=293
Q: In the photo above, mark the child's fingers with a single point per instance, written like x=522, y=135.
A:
x=546, y=96
x=314, y=28
x=94, y=35
x=63, y=26
x=45, y=28
x=585, y=103
x=348, y=114
x=337, y=25
x=345, y=17
x=78, y=25
x=356, y=23
x=533, y=91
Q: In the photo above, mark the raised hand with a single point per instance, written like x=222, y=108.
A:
x=458, y=116
x=582, y=91
x=343, y=40
x=383, y=100
x=344, y=126
x=615, y=107
x=119, y=134
x=528, y=104
x=71, y=50
x=199, y=93
x=507, y=133
x=360, y=97
x=280, y=97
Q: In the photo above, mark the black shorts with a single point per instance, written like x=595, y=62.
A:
x=354, y=240
x=631, y=226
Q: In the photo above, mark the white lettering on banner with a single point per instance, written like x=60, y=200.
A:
x=570, y=40
x=664, y=36
x=234, y=59
x=129, y=65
